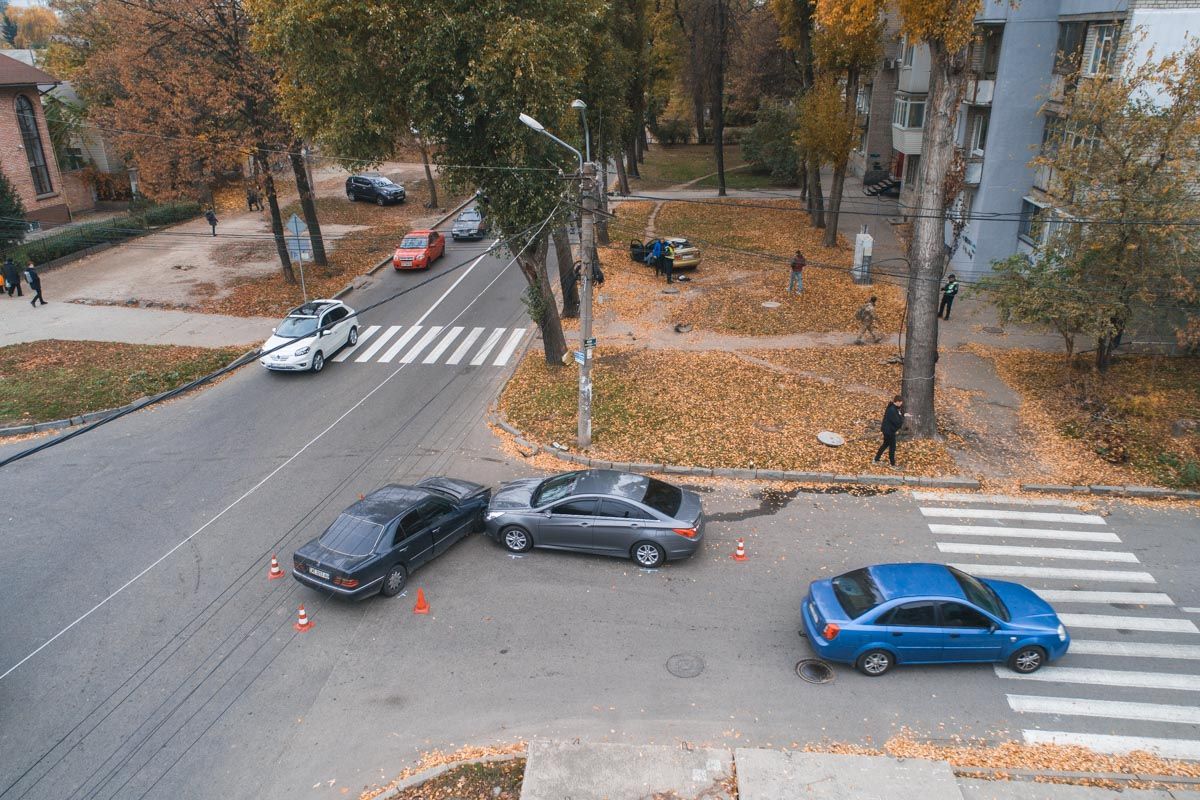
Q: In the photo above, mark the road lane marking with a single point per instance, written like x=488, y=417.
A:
x=446, y=341
x=506, y=352
x=1123, y=623
x=1113, y=709
x=1013, y=571
x=487, y=346
x=1107, y=743
x=1036, y=552
x=363, y=335
x=378, y=344
x=399, y=345
x=1190, y=610
x=465, y=346
x=1189, y=652
x=1005, y=499
x=424, y=342
x=1024, y=533
x=1106, y=677
x=1002, y=513
x=1133, y=598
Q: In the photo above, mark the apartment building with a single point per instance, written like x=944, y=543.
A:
x=1021, y=63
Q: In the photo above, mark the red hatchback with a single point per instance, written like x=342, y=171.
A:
x=419, y=250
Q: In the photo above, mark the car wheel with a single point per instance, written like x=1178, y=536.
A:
x=516, y=540
x=318, y=362
x=395, y=581
x=648, y=555
x=351, y=196
x=1028, y=659
x=874, y=663
x=379, y=201
x=352, y=339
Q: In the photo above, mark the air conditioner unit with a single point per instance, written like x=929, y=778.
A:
x=891, y=63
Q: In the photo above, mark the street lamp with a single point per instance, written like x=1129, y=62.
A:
x=530, y=122
x=581, y=107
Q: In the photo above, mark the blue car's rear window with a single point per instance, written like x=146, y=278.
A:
x=351, y=536
x=980, y=594
x=857, y=592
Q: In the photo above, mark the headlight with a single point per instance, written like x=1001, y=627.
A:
x=1062, y=633
x=303, y=351
x=493, y=514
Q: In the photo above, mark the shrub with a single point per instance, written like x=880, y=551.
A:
x=769, y=144
x=118, y=229
x=673, y=131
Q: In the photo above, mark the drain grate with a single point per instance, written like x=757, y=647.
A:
x=685, y=665
x=814, y=670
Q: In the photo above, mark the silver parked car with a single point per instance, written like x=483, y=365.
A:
x=599, y=511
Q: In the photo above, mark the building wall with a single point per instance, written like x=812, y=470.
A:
x=48, y=209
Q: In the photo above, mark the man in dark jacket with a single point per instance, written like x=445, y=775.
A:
x=893, y=420
x=211, y=217
x=948, y=293
x=12, y=278
x=35, y=284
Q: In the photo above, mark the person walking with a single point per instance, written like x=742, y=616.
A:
x=797, y=282
x=211, y=216
x=654, y=255
x=12, y=277
x=253, y=201
x=35, y=284
x=669, y=261
x=866, y=320
x=893, y=421
x=948, y=293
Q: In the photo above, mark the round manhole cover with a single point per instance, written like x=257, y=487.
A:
x=814, y=670
x=685, y=665
x=831, y=439
x=771, y=304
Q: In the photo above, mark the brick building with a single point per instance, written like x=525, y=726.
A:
x=26, y=153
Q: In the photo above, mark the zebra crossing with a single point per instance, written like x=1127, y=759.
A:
x=434, y=344
x=1129, y=681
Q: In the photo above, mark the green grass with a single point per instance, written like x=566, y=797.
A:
x=743, y=179
x=668, y=165
x=117, y=229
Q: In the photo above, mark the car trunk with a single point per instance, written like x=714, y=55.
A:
x=459, y=489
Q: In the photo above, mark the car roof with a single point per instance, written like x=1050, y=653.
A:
x=612, y=482
x=386, y=503
x=312, y=308
x=915, y=580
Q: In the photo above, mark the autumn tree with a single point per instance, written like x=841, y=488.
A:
x=795, y=20
x=12, y=215
x=33, y=25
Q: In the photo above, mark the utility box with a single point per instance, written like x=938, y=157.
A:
x=863, y=243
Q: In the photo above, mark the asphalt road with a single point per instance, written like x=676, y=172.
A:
x=187, y=680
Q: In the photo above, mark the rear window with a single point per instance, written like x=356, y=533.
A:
x=980, y=594
x=663, y=497
x=351, y=536
x=857, y=592
x=552, y=489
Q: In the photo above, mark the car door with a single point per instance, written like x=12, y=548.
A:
x=447, y=523
x=913, y=630
x=341, y=328
x=328, y=335
x=568, y=524
x=970, y=635
x=617, y=525
x=437, y=246
x=359, y=187
x=412, y=543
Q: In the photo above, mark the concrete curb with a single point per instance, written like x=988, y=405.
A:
x=434, y=772
x=95, y=416
x=1149, y=492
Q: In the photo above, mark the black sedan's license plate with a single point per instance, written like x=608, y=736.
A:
x=319, y=573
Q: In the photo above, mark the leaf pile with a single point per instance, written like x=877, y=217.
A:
x=472, y=782
x=440, y=758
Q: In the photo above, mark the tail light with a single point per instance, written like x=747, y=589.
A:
x=687, y=533
x=346, y=583
x=830, y=632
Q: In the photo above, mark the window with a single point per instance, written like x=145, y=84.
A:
x=856, y=592
x=75, y=159
x=433, y=509
x=1070, y=47
x=908, y=50
x=1032, y=222
x=337, y=315
x=619, y=510
x=410, y=525
x=956, y=615
x=351, y=536
x=31, y=138
x=555, y=488
x=663, y=497
x=986, y=51
x=979, y=129
x=911, y=615
x=980, y=593
x=1103, y=50
x=908, y=112
x=583, y=507
x=912, y=165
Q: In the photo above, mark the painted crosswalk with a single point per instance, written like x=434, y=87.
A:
x=434, y=345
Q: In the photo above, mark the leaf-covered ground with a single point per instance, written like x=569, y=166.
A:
x=492, y=781
x=55, y=379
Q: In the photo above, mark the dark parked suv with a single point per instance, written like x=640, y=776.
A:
x=374, y=187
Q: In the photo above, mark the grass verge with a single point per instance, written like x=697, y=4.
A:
x=500, y=780
x=668, y=165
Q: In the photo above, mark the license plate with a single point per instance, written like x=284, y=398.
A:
x=319, y=573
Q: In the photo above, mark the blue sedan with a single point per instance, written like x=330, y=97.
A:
x=889, y=614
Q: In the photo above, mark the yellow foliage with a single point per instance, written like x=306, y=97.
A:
x=849, y=18
x=949, y=22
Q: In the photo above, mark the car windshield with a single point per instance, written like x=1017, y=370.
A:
x=383, y=182
x=553, y=489
x=351, y=536
x=414, y=242
x=663, y=497
x=469, y=216
x=980, y=594
x=293, y=327
x=857, y=592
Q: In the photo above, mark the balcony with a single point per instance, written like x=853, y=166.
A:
x=907, y=140
x=974, y=171
x=979, y=92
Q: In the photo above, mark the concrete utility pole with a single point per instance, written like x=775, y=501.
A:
x=587, y=246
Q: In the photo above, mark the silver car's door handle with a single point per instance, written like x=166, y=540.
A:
x=583, y=524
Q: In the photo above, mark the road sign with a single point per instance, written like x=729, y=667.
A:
x=589, y=342
x=295, y=226
x=299, y=248
x=579, y=357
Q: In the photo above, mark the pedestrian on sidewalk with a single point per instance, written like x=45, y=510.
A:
x=948, y=293
x=253, y=201
x=12, y=277
x=893, y=421
x=35, y=284
x=866, y=320
x=211, y=216
x=669, y=261
x=798, y=265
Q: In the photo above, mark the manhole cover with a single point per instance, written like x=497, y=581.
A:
x=814, y=670
x=670, y=290
x=685, y=665
x=993, y=330
x=771, y=304
x=830, y=439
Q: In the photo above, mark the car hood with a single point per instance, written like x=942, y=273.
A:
x=408, y=252
x=322, y=556
x=289, y=345
x=1025, y=608
x=514, y=495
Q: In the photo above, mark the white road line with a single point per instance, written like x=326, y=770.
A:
x=1107, y=677
x=446, y=341
x=1114, y=709
x=1011, y=571
x=1036, y=552
x=1003, y=513
x=378, y=344
x=1188, y=652
x=506, y=352
x=424, y=342
x=363, y=335
x=1133, y=598
x=1123, y=623
x=488, y=344
x=1104, y=743
x=399, y=345
x=1190, y=610
x=465, y=346
x=1024, y=533
x=1006, y=499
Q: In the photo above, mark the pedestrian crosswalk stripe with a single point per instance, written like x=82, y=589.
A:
x=506, y=352
x=1190, y=610
x=1107, y=677
x=1124, y=623
x=1188, y=652
x=363, y=335
x=1114, y=709
x=424, y=342
x=446, y=341
x=486, y=347
x=1010, y=571
x=1025, y=533
x=1132, y=598
x=378, y=344
x=465, y=346
x=399, y=344
x=1002, y=513
x=1036, y=552
x=1107, y=743
x=953, y=497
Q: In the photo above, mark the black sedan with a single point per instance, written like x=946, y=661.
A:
x=376, y=543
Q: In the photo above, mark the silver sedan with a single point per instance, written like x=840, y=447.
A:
x=599, y=511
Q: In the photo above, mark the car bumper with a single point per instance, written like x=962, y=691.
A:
x=403, y=265
x=824, y=648
x=353, y=594
x=291, y=364
x=458, y=235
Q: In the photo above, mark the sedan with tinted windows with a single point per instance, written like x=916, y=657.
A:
x=888, y=614
x=600, y=511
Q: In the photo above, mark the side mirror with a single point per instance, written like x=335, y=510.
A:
x=993, y=628
x=273, y=331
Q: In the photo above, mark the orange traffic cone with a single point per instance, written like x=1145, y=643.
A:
x=421, y=607
x=303, y=623
x=274, y=573
x=740, y=553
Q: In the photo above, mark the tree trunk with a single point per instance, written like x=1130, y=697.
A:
x=307, y=204
x=927, y=250
x=816, y=198
x=839, y=169
x=285, y=260
x=698, y=115
x=718, y=118
x=533, y=267
x=433, y=198
x=602, y=218
x=622, y=178
x=643, y=142
x=803, y=177
x=566, y=273
x=1104, y=348
x=631, y=167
